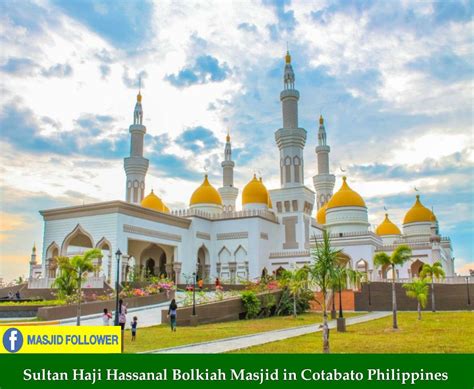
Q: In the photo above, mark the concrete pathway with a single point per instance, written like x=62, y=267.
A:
x=240, y=342
x=147, y=316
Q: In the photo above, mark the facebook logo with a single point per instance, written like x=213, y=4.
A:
x=12, y=340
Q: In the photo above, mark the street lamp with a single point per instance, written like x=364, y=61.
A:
x=468, y=295
x=118, y=255
x=194, y=294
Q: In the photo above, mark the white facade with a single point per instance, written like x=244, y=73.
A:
x=215, y=239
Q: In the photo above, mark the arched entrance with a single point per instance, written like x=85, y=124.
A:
x=202, y=263
x=416, y=268
x=52, y=254
x=153, y=261
x=78, y=241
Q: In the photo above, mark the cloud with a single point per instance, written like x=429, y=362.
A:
x=19, y=66
x=205, y=69
x=134, y=81
x=58, y=70
x=248, y=27
x=198, y=139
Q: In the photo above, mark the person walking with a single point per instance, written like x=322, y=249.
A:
x=172, y=311
x=134, y=328
x=122, y=314
x=200, y=284
x=106, y=317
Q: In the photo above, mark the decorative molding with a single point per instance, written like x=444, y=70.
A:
x=203, y=235
x=291, y=254
x=232, y=235
x=152, y=233
x=264, y=236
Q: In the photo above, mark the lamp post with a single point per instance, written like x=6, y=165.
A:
x=118, y=255
x=467, y=288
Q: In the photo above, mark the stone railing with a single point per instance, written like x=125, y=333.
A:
x=225, y=215
x=447, y=280
x=47, y=283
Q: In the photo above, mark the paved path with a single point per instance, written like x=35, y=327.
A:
x=239, y=342
x=147, y=316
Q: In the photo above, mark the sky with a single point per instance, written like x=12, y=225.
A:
x=393, y=80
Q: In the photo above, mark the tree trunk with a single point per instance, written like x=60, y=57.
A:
x=294, y=305
x=325, y=328
x=394, y=300
x=419, y=311
x=78, y=321
x=433, y=308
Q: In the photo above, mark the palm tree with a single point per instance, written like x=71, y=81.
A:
x=73, y=271
x=418, y=289
x=401, y=254
x=296, y=281
x=343, y=276
x=322, y=275
x=433, y=271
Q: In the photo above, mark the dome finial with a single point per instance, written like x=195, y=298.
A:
x=287, y=56
x=321, y=120
x=139, y=96
x=227, y=138
x=344, y=178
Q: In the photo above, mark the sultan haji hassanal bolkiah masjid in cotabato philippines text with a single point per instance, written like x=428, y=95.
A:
x=272, y=229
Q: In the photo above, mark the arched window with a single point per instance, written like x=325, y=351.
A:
x=287, y=169
x=297, y=163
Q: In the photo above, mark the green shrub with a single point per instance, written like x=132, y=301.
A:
x=251, y=304
x=268, y=304
x=285, y=305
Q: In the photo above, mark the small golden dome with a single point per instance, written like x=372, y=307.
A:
x=205, y=194
x=418, y=213
x=255, y=192
x=288, y=57
x=345, y=197
x=152, y=201
x=321, y=120
x=321, y=214
x=139, y=97
x=387, y=227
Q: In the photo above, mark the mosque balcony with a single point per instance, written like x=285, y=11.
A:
x=264, y=214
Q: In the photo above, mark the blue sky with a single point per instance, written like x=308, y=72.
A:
x=392, y=79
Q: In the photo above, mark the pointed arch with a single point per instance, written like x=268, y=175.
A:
x=103, y=243
x=77, y=237
x=362, y=265
x=52, y=250
x=240, y=254
x=224, y=255
x=416, y=267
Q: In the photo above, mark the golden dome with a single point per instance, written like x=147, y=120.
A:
x=419, y=213
x=321, y=214
x=387, y=227
x=288, y=57
x=255, y=192
x=205, y=194
x=152, y=201
x=345, y=197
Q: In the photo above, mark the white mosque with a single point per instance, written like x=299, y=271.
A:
x=272, y=230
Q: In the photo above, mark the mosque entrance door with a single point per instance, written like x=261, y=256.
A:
x=150, y=267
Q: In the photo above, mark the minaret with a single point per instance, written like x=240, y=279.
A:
x=228, y=192
x=290, y=139
x=323, y=181
x=136, y=165
x=33, y=262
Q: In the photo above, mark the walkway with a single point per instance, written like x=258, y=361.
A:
x=240, y=342
x=147, y=316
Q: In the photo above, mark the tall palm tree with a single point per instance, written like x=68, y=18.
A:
x=343, y=277
x=296, y=281
x=81, y=265
x=322, y=275
x=433, y=271
x=418, y=289
x=401, y=254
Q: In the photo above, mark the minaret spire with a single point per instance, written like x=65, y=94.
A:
x=323, y=181
x=136, y=165
x=228, y=192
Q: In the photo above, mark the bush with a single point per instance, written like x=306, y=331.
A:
x=251, y=304
x=285, y=306
x=268, y=305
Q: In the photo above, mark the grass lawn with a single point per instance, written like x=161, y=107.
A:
x=440, y=332
x=152, y=338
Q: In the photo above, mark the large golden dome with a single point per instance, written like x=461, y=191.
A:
x=387, y=227
x=321, y=214
x=418, y=213
x=206, y=194
x=345, y=197
x=152, y=201
x=255, y=192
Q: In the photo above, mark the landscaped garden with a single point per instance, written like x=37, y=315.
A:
x=439, y=332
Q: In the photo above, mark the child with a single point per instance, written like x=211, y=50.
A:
x=134, y=328
x=106, y=317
